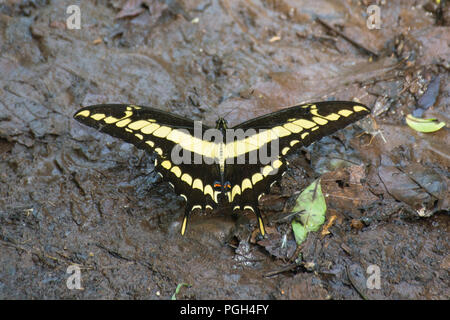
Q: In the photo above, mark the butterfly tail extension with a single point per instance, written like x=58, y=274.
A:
x=185, y=220
x=261, y=227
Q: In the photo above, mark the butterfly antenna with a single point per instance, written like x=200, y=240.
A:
x=226, y=114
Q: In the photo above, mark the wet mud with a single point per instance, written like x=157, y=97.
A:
x=71, y=195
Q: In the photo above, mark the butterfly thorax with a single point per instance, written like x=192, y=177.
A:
x=221, y=124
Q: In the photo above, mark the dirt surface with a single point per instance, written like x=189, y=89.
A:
x=71, y=195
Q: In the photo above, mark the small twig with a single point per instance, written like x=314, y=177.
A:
x=343, y=35
x=289, y=267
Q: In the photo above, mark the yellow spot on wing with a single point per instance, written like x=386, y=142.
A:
x=177, y=136
x=123, y=123
x=209, y=190
x=84, y=113
x=159, y=151
x=98, y=116
x=197, y=184
x=277, y=163
x=319, y=121
x=294, y=142
x=359, y=108
x=216, y=194
x=110, y=119
x=330, y=117
x=263, y=137
x=285, y=150
x=150, y=128
x=193, y=144
x=166, y=164
x=246, y=184
x=150, y=143
x=293, y=128
x=176, y=171
x=236, y=190
x=257, y=177
x=304, y=123
x=345, y=112
x=138, y=124
x=186, y=178
x=162, y=132
x=280, y=131
x=139, y=136
x=304, y=135
x=267, y=170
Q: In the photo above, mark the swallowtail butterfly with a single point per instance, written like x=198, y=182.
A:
x=205, y=168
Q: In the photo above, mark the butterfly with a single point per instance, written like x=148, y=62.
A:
x=208, y=166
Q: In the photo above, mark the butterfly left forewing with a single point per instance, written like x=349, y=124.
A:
x=146, y=128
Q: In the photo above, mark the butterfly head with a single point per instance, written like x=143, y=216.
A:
x=221, y=123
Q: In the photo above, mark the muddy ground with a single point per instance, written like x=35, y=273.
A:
x=70, y=195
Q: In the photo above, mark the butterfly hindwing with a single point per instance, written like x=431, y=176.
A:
x=192, y=182
x=251, y=181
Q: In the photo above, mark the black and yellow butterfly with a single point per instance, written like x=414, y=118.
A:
x=212, y=171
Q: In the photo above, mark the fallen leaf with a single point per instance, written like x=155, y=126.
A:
x=311, y=208
x=329, y=224
x=424, y=125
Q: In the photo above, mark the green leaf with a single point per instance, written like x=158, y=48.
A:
x=311, y=208
x=424, y=125
x=177, y=290
x=300, y=232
